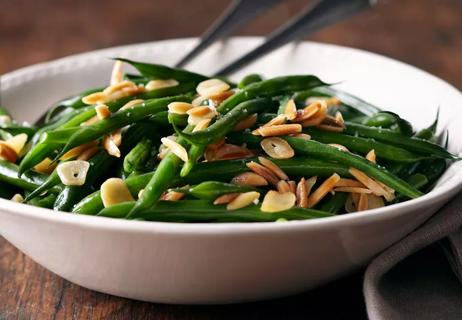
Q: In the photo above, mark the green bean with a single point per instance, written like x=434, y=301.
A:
x=380, y=119
x=249, y=79
x=52, y=180
x=4, y=112
x=137, y=157
x=269, y=88
x=300, y=167
x=364, y=145
x=429, y=133
x=202, y=210
x=157, y=71
x=7, y=191
x=44, y=202
x=118, y=120
x=396, y=139
x=317, y=149
x=210, y=190
x=225, y=124
x=335, y=203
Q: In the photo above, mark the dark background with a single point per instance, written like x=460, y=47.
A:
x=425, y=33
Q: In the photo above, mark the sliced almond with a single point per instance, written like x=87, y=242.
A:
x=343, y=182
x=249, y=179
x=200, y=111
x=75, y=152
x=352, y=190
x=102, y=111
x=95, y=98
x=88, y=153
x=373, y=185
x=160, y=84
x=363, y=202
x=264, y=172
x=339, y=146
x=211, y=87
x=276, y=121
x=114, y=191
x=273, y=168
x=283, y=186
x=279, y=130
x=73, y=173
x=277, y=148
x=326, y=127
x=116, y=74
x=330, y=101
x=310, y=184
x=118, y=88
x=308, y=112
x=228, y=152
x=371, y=156
x=302, y=136
x=111, y=147
x=292, y=186
x=132, y=104
x=116, y=136
x=323, y=190
x=198, y=101
x=225, y=198
x=202, y=125
x=45, y=166
x=374, y=201
x=176, y=148
x=302, y=194
x=318, y=117
x=243, y=200
x=290, y=110
x=275, y=201
x=172, y=196
x=222, y=96
x=179, y=107
x=339, y=119
x=248, y=122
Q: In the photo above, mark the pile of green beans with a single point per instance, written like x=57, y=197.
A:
x=404, y=161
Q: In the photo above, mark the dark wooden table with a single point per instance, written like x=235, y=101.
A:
x=426, y=33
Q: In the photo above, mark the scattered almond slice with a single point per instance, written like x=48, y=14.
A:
x=273, y=168
x=220, y=97
x=211, y=87
x=88, y=153
x=179, y=107
x=172, y=196
x=111, y=147
x=290, y=110
x=227, y=151
x=352, y=190
x=308, y=112
x=225, y=198
x=75, y=152
x=277, y=148
x=248, y=122
x=17, y=198
x=276, y=121
x=318, y=117
x=326, y=187
x=45, y=166
x=371, y=156
x=310, y=184
x=160, y=84
x=102, y=111
x=263, y=171
x=278, y=130
x=202, y=125
x=339, y=146
x=363, y=202
x=373, y=185
x=292, y=186
x=283, y=186
x=275, y=201
x=243, y=200
x=302, y=194
x=249, y=179
x=343, y=182
x=132, y=104
x=95, y=98
x=326, y=127
x=375, y=201
x=176, y=148
x=17, y=142
x=116, y=74
x=114, y=191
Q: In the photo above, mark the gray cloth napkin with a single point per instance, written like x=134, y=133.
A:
x=400, y=285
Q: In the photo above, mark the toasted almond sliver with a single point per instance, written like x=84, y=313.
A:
x=102, y=111
x=308, y=112
x=363, y=202
x=323, y=189
x=75, y=152
x=119, y=88
x=352, y=190
x=273, y=168
x=17, y=142
x=45, y=166
x=343, y=182
x=88, y=153
x=246, y=123
x=198, y=101
x=132, y=104
x=279, y=130
x=113, y=191
x=326, y=127
x=116, y=136
x=172, y=196
x=117, y=75
x=211, y=87
x=249, y=179
x=225, y=198
x=339, y=119
x=371, y=156
x=276, y=121
x=95, y=98
x=283, y=186
x=202, y=125
x=243, y=200
x=222, y=96
x=302, y=194
x=290, y=110
x=374, y=201
x=292, y=186
x=277, y=148
x=339, y=146
x=179, y=107
x=275, y=201
x=110, y=146
x=318, y=117
x=264, y=172
x=17, y=198
x=302, y=136
x=310, y=184
x=227, y=151
x=73, y=173
x=176, y=148
x=373, y=185
x=160, y=84
x=330, y=101
x=200, y=111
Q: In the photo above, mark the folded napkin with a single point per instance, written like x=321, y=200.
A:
x=404, y=283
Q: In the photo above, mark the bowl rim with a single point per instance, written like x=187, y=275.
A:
x=447, y=190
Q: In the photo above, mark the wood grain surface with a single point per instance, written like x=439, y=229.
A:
x=425, y=33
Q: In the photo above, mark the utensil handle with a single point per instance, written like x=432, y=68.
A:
x=324, y=13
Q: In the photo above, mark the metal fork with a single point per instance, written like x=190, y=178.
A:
x=313, y=18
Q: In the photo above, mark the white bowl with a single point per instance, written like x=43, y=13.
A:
x=229, y=262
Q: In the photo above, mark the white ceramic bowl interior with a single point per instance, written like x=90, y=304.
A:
x=224, y=263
